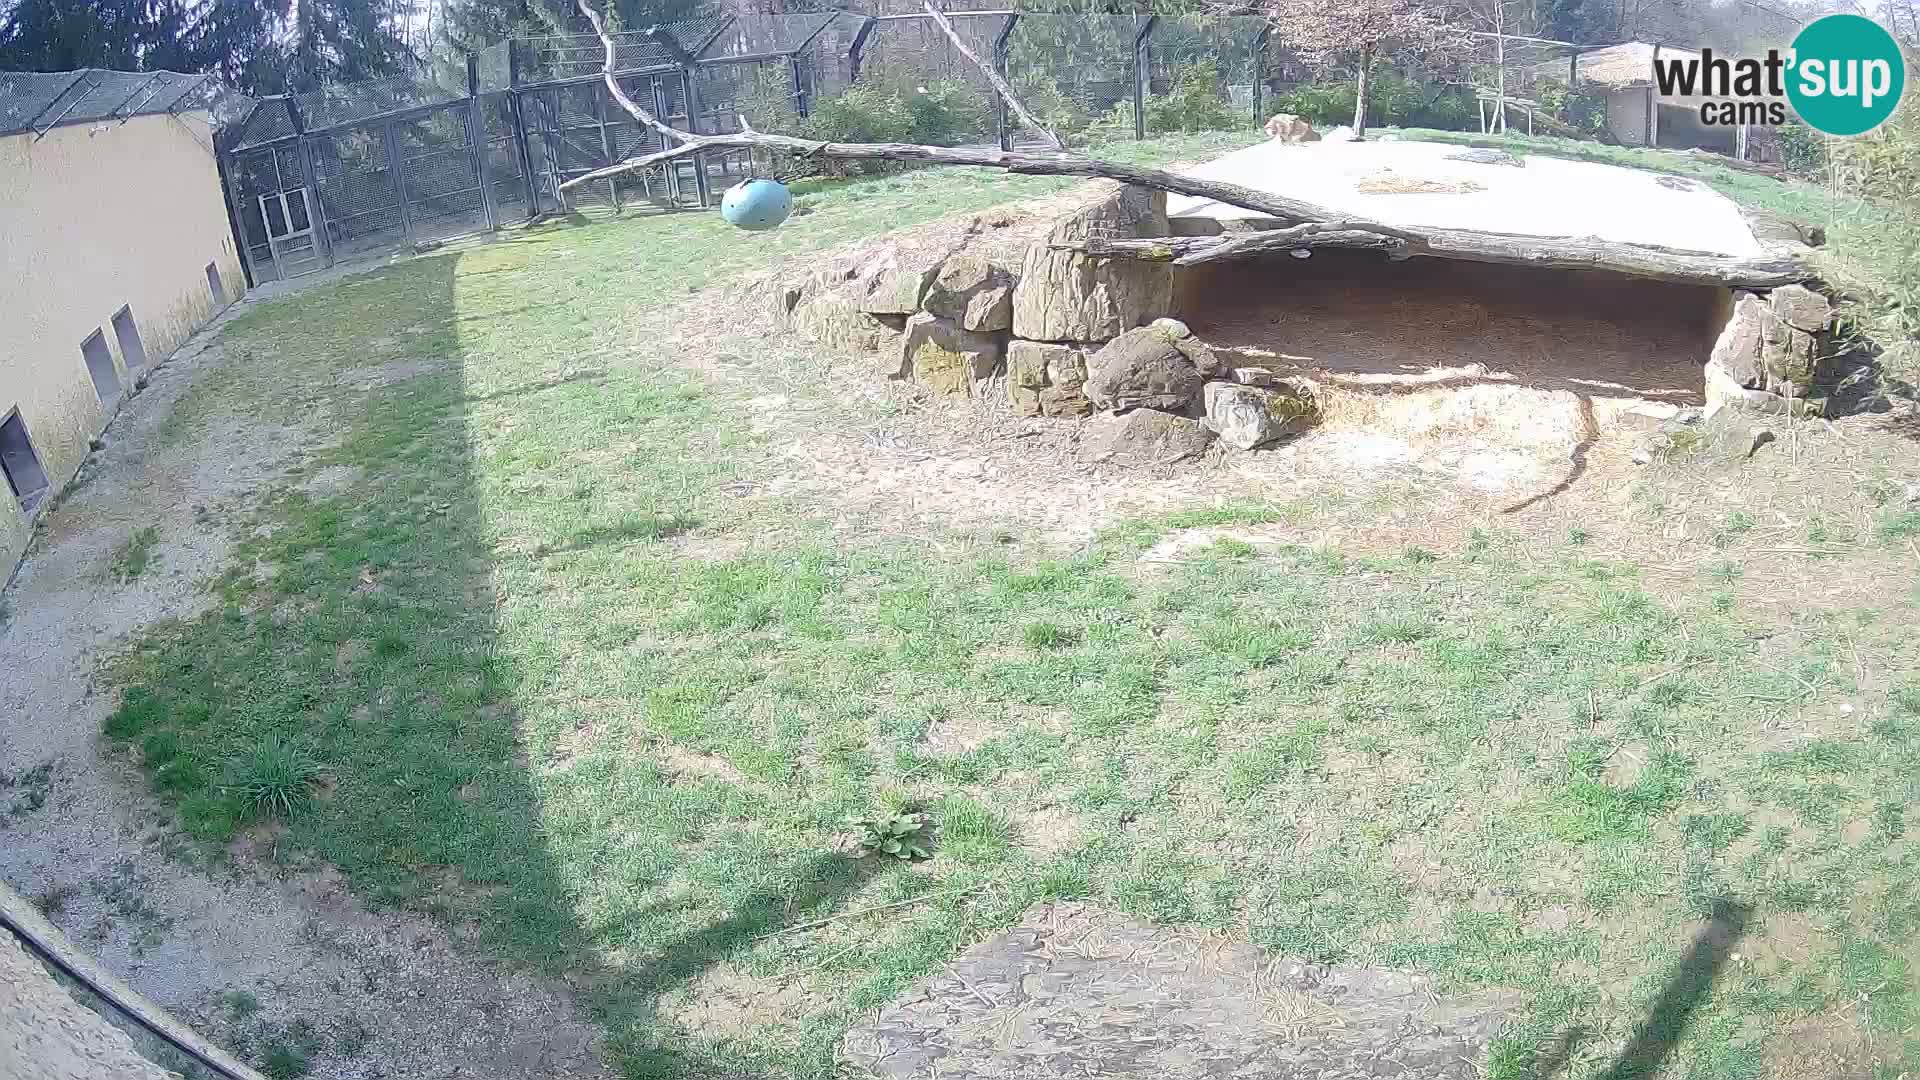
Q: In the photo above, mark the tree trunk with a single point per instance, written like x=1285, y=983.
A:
x=1360, y=94
x=1772, y=270
x=1500, y=61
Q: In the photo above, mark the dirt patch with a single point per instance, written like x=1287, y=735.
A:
x=684, y=762
x=727, y=1001
x=1050, y=830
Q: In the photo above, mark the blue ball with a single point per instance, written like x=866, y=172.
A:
x=756, y=204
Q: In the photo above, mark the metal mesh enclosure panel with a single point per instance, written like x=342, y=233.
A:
x=36, y=101
x=269, y=122
x=829, y=57
x=918, y=52
x=358, y=187
x=346, y=103
x=26, y=96
x=570, y=56
x=1072, y=70
x=727, y=90
x=1233, y=47
x=761, y=35
x=503, y=157
x=441, y=179
x=493, y=67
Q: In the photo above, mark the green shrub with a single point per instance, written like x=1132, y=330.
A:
x=947, y=114
x=1392, y=100
x=1193, y=104
x=864, y=113
x=1583, y=108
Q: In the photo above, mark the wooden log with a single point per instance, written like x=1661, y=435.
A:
x=1554, y=253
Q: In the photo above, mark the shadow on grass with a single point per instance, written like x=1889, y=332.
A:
x=1685, y=991
x=380, y=649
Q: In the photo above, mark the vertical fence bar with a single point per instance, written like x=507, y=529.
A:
x=600, y=97
x=672, y=171
x=693, y=126
x=1260, y=41
x=522, y=150
x=397, y=168
x=1140, y=60
x=1001, y=115
x=1653, y=98
x=477, y=146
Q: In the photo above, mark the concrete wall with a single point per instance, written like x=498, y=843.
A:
x=94, y=217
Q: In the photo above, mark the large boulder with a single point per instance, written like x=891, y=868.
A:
x=1046, y=379
x=834, y=320
x=1288, y=128
x=1801, y=307
x=1066, y=295
x=1143, y=437
x=1143, y=368
x=972, y=291
x=1248, y=416
x=894, y=282
x=1773, y=344
x=943, y=356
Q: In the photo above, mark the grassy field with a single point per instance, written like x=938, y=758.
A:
x=554, y=678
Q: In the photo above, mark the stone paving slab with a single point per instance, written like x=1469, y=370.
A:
x=1076, y=992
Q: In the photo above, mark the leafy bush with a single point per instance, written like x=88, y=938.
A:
x=1392, y=100
x=1881, y=171
x=891, y=107
x=1802, y=150
x=1193, y=105
x=1583, y=108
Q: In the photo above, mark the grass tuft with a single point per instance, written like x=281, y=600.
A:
x=274, y=779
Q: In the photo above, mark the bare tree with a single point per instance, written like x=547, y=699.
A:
x=1366, y=30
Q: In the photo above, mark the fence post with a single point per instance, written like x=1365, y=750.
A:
x=693, y=127
x=522, y=148
x=1653, y=98
x=1260, y=70
x=600, y=98
x=476, y=137
x=857, y=52
x=1000, y=68
x=1140, y=61
x=397, y=168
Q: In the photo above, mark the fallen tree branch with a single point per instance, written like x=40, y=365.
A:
x=1548, y=252
x=993, y=77
x=1312, y=225
x=666, y=131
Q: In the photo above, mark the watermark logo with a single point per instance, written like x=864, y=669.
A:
x=1843, y=75
x=1848, y=74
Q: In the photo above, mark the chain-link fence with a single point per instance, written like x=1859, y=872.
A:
x=432, y=155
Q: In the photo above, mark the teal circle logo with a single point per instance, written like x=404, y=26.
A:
x=1846, y=74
